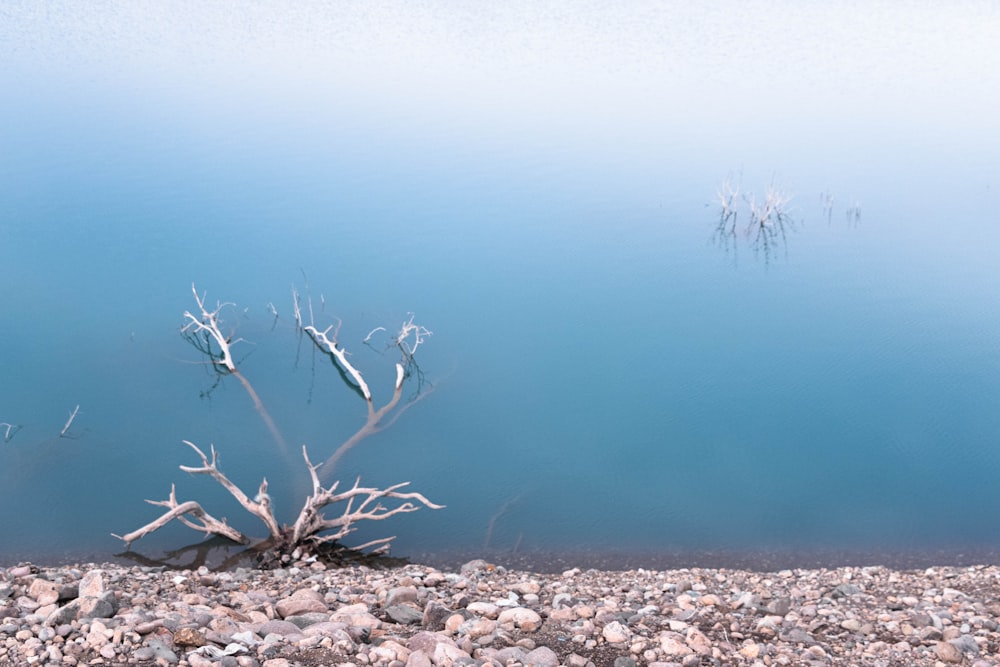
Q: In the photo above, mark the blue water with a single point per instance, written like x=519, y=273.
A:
x=538, y=184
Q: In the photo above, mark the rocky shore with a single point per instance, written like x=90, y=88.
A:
x=307, y=614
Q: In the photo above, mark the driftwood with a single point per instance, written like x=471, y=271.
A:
x=315, y=525
x=205, y=329
x=312, y=527
x=407, y=340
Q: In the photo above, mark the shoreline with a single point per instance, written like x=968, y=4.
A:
x=483, y=614
x=215, y=556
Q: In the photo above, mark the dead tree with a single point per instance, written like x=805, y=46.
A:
x=768, y=221
x=315, y=525
x=312, y=527
x=409, y=337
x=204, y=332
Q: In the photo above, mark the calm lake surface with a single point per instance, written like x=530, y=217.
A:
x=616, y=366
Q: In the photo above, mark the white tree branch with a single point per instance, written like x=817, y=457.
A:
x=260, y=508
x=202, y=521
x=311, y=521
x=340, y=354
x=209, y=323
x=410, y=337
x=69, y=422
x=9, y=430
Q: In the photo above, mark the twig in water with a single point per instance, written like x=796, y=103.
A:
x=9, y=430
x=69, y=422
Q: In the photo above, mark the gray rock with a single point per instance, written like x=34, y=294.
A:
x=845, y=590
x=798, y=636
x=624, y=661
x=283, y=628
x=780, y=607
x=102, y=606
x=542, y=656
x=162, y=652
x=423, y=641
x=511, y=653
x=399, y=595
x=966, y=644
x=305, y=620
x=404, y=614
x=435, y=615
x=474, y=567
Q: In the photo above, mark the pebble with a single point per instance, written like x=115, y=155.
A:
x=484, y=615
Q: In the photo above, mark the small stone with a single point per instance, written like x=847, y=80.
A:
x=400, y=595
x=418, y=659
x=698, y=642
x=103, y=606
x=851, y=624
x=672, y=644
x=161, y=653
x=92, y=584
x=526, y=587
x=43, y=591
x=487, y=609
x=449, y=654
x=780, y=606
x=404, y=614
x=296, y=606
x=521, y=618
x=542, y=656
x=435, y=615
x=947, y=652
x=305, y=620
x=189, y=637
x=615, y=633
x=283, y=628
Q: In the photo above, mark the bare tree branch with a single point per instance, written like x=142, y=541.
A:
x=311, y=522
x=9, y=430
x=69, y=422
x=322, y=341
x=200, y=520
x=260, y=508
x=209, y=325
x=362, y=504
x=204, y=330
x=373, y=424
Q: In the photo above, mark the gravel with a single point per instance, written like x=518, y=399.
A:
x=308, y=614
